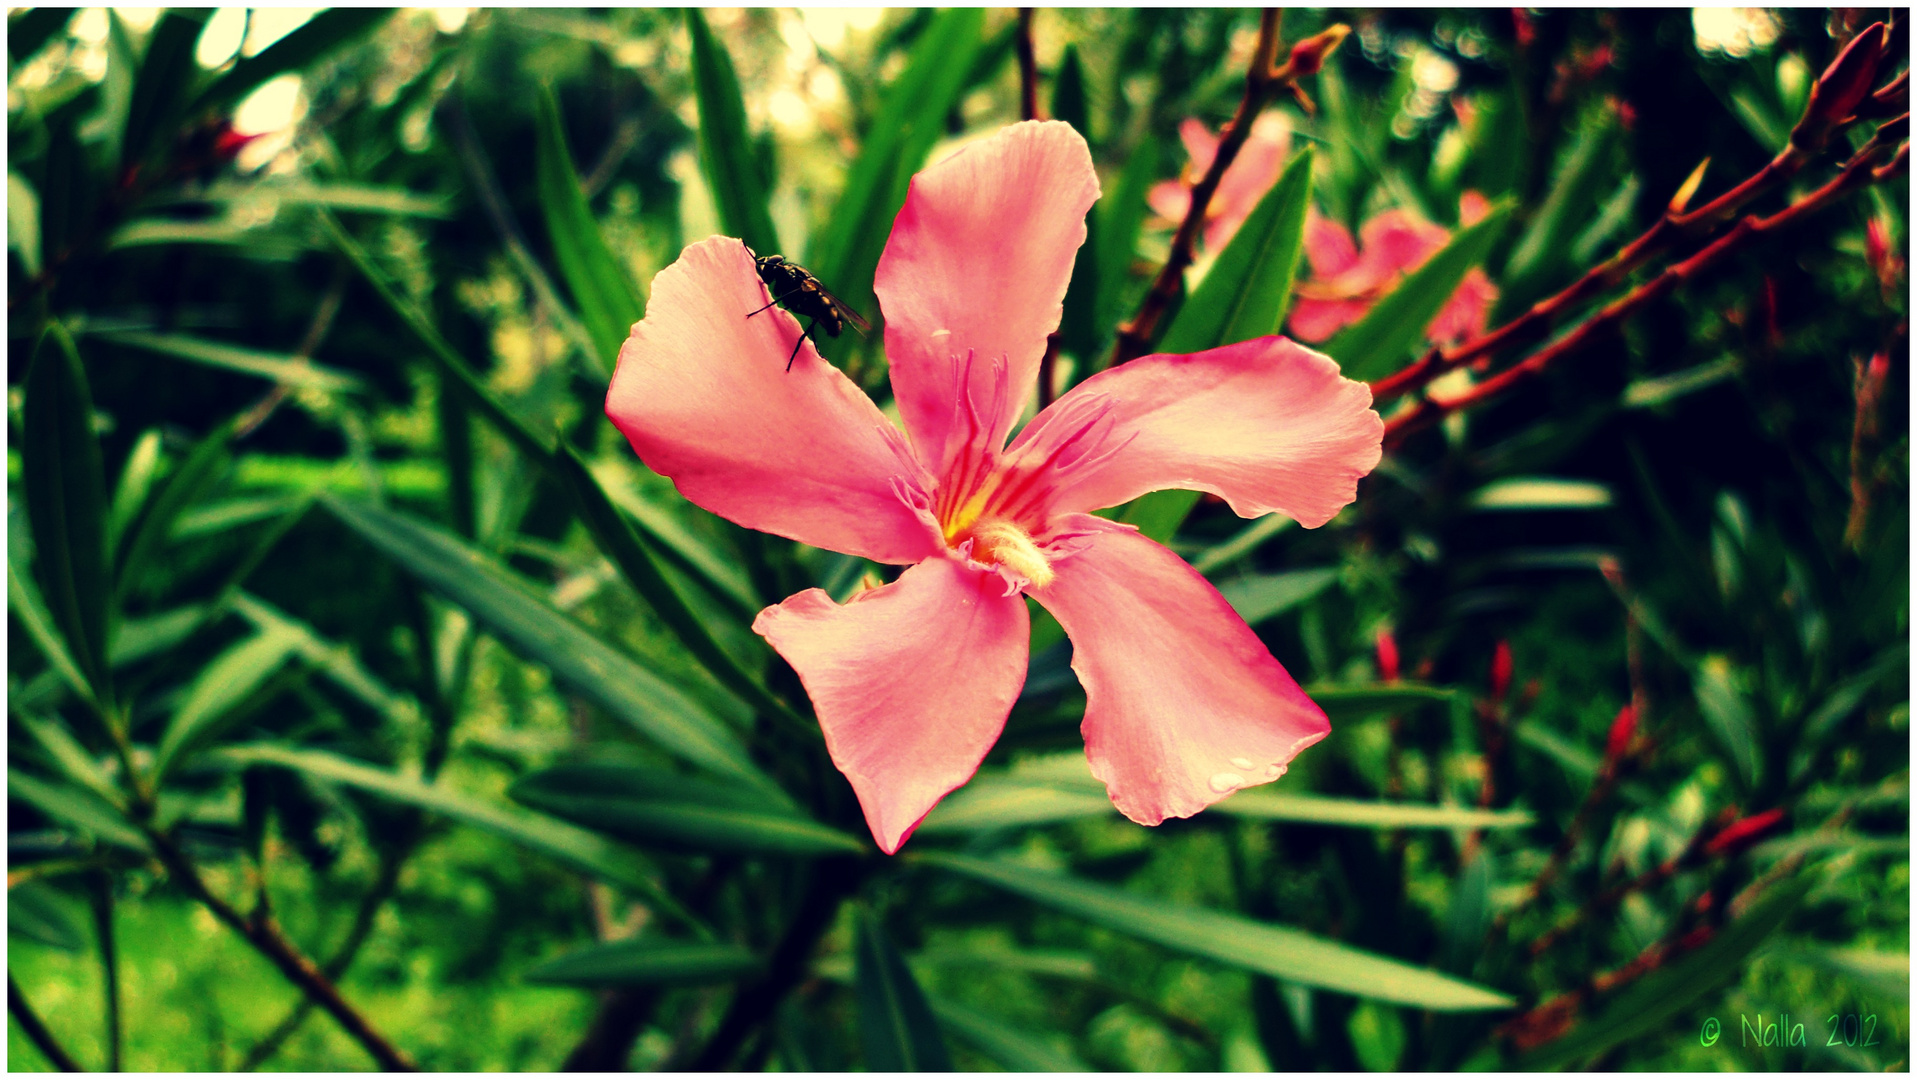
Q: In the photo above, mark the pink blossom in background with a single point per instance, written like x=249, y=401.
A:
x=1246, y=179
x=1347, y=279
x=912, y=681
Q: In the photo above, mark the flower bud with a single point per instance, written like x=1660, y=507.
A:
x=1308, y=56
x=1387, y=655
x=1501, y=671
x=1622, y=729
x=1844, y=85
x=1744, y=832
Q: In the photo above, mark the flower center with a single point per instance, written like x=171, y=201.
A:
x=996, y=540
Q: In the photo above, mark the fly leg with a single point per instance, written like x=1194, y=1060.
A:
x=795, y=345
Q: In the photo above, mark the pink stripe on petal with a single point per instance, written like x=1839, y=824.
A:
x=703, y=394
x=977, y=263
x=912, y=682
x=1184, y=705
x=1267, y=424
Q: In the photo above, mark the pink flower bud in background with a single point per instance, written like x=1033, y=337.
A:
x=1501, y=671
x=1622, y=729
x=1743, y=833
x=1387, y=655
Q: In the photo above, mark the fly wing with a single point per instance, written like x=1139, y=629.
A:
x=844, y=309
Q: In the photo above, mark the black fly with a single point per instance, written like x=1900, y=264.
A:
x=802, y=295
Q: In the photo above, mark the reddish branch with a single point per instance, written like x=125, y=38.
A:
x=264, y=934
x=1862, y=169
x=1840, y=98
x=1265, y=78
x=1864, y=440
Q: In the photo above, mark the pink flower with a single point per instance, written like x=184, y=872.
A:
x=1346, y=281
x=1246, y=179
x=912, y=681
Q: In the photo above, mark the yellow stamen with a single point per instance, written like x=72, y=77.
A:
x=1005, y=543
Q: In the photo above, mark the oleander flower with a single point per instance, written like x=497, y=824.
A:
x=1347, y=279
x=1246, y=179
x=912, y=680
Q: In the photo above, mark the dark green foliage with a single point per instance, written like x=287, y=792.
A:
x=488, y=736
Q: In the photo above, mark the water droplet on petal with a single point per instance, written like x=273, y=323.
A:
x=1227, y=781
x=1241, y=763
x=1273, y=772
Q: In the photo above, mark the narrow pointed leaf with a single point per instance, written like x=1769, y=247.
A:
x=66, y=503
x=293, y=371
x=1257, y=597
x=1266, y=804
x=1728, y=713
x=38, y=912
x=149, y=529
x=167, y=69
x=1567, y=210
x=1379, y=343
x=608, y=301
x=34, y=27
x=718, y=574
x=1121, y=215
x=983, y=805
x=1352, y=701
x=647, y=962
x=27, y=607
x=77, y=808
x=527, y=621
x=1231, y=939
x=221, y=687
x=72, y=758
x=1247, y=290
x=569, y=844
x=1014, y=1049
x=725, y=143
x=649, y=806
x=896, y=1025
x=312, y=40
x=136, y=483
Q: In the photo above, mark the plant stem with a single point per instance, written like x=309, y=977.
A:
x=265, y=936
x=36, y=1030
x=1027, y=68
x=109, y=964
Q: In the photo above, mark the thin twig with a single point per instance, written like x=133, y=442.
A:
x=1813, y=132
x=265, y=936
x=1027, y=68
x=36, y=1030
x=1264, y=79
x=1860, y=170
x=109, y=964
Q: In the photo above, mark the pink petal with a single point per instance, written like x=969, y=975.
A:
x=912, y=682
x=1397, y=242
x=1251, y=174
x=1267, y=424
x=1468, y=311
x=1184, y=705
x=1200, y=145
x=1328, y=246
x=978, y=263
x=1169, y=199
x=1472, y=208
x=702, y=393
x=1316, y=320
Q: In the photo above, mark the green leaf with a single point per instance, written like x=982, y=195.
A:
x=896, y=1025
x=1120, y=216
x=582, y=850
x=135, y=639
x=909, y=122
x=149, y=529
x=27, y=607
x=136, y=482
x=1540, y=493
x=167, y=68
x=649, y=806
x=337, y=661
x=293, y=371
x=1010, y=1047
x=1158, y=514
x=76, y=807
x=527, y=621
x=646, y=962
x=1257, y=597
x=1079, y=329
x=276, y=193
x=1247, y=290
x=1352, y=701
x=1649, y=393
x=66, y=503
x=39, y=912
x=1230, y=939
x=608, y=301
x=23, y=222
x=1885, y=973
x=1264, y=804
x=614, y=536
x=1728, y=713
x=1379, y=343
x=1003, y=803
x=1248, y=540
x=719, y=575
x=1567, y=210
x=1581, y=763
x=33, y=28
x=725, y=143
x=221, y=686
x=1655, y=1000
x=262, y=243
x=72, y=758
x=313, y=39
